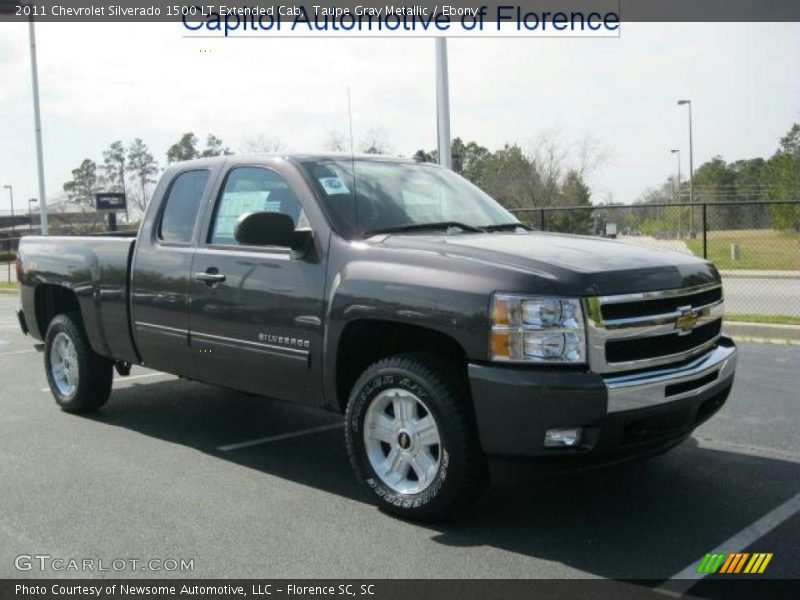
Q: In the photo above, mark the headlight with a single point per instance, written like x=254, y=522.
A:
x=543, y=330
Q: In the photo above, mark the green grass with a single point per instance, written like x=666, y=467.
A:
x=4, y=285
x=768, y=319
x=766, y=249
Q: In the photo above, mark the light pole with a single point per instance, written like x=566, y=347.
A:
x=443, y=104
x=677, y=193
x=30, y=213
x=691, y=168
x=11, y=194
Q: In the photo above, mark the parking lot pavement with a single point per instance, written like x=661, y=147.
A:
x=163, y=471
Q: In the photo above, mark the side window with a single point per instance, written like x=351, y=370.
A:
x=252, y=189
x=182, y=206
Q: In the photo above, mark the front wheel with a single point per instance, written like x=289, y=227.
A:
x=79, y=378
x=411, y=438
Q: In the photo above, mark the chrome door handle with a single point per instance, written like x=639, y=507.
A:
x=209, y=277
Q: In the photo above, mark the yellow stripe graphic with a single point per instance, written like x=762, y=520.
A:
x=741, y=562
x=765, y=563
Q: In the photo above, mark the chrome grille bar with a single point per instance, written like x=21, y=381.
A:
x=683, y=320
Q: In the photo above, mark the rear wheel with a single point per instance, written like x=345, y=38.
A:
x=411, y=438
x=79, y=378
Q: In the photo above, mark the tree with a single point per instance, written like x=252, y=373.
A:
x=80, y=190
x=783, y=173
x=84, y=184
x=574, y=193
x=215, y=147
x=336, y=142
x=374, y=141
x=114, y=168
x=511, y=178
x=261, y=143
x=183, y=149
x=142, y=166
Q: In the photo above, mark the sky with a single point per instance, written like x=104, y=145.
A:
x=103, y=82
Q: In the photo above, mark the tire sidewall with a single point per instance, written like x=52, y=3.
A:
x=364, y=393
x=64, y=325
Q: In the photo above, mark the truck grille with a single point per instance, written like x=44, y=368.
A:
x=638, y=331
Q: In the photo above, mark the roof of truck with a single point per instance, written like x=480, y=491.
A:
x=296, y=157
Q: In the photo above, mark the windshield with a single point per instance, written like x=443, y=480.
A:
x=396, y=195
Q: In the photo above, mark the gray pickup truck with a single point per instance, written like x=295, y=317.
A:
x=401, y=295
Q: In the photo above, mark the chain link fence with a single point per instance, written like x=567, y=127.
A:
x=755, y=245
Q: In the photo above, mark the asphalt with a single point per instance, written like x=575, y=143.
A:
x=146, y=478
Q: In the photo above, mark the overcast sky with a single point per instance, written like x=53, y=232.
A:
x=105, y=82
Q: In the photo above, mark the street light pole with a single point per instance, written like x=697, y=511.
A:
x=37, y=120
x=11, y=194
x=443, y=104
x=30, y=214
x=691, y=168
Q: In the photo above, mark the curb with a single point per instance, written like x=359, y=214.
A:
x=9, y=292
x=762, y=332
x=745, y=274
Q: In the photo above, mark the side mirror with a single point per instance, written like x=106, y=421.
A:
x=271, y=229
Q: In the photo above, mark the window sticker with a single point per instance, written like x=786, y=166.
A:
x=235, y=204
x=333, y=186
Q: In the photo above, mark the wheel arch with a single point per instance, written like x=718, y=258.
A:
x=365, y=341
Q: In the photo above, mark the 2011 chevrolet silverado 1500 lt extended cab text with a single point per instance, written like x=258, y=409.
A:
x=401, y=295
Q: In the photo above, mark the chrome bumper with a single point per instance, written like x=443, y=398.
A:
x=644, y=390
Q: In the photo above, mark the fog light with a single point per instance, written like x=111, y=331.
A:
x=562, y=438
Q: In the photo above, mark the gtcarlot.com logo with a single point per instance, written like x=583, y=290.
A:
x=47, y=562
x=734, y=563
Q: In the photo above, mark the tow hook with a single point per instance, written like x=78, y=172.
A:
x=122, y=367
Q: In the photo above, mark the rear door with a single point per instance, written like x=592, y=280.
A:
x=256, y=323
x=161, y=268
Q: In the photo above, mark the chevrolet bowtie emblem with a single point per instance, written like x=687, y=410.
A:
x=686, y=322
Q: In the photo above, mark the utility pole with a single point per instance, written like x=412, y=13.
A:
x=443, y=104
x=37, y=120
x=691, y=169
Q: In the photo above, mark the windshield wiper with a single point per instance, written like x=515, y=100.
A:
x=504, y=227
x=425, y=226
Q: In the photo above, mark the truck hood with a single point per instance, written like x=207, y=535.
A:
x=572, y=264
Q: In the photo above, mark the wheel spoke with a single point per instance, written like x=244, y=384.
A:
x=424, y=466
x=427, y=432
x=403, y=408
x=382, y=428
x=396, y=466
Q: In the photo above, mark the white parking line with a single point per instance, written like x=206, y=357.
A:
x=128, y=378
x=680, y=583
x=17, y=352
x=282, y=436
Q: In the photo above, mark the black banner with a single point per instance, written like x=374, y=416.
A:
x=377, y=589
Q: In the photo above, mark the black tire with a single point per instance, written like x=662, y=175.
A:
x=462, y=473
x=94, y=372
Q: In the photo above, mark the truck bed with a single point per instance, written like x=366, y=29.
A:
x=97, y=270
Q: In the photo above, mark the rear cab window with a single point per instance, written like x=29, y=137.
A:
x=182, y=207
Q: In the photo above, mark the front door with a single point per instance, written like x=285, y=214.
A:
x=256, y=312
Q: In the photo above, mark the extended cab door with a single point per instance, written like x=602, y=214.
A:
x=161, y=268
x=256, y=312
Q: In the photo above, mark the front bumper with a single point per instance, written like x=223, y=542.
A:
x=621, y=415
